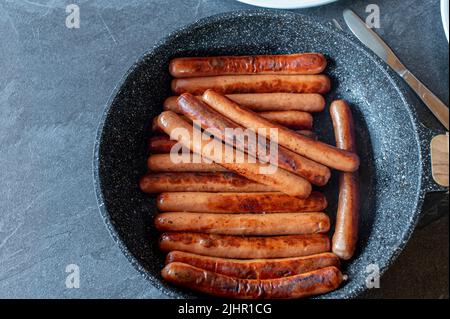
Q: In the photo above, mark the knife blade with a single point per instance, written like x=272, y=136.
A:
x=375, y=43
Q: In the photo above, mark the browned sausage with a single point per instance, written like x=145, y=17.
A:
x=295, y=120
x=160, y=144
x=317, y=151
x=199, y=182
x=163, y=163
x=239, y=202
x=308, y=284
x=299, y=63
x=264, y=102
x=266, y=174
x=244, y=224
x=256, y=268
x=228, y=84
x=346, y=230
x=157, y=129
x=299, y=121
x=245, y=247
x=227, y=130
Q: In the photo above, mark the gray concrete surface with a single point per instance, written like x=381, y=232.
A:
x=54, y=83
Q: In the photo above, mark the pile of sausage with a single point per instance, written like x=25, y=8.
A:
x=229, y=230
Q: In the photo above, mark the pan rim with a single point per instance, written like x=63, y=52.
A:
x=393, y=79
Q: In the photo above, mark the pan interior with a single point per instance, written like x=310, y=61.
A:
x=386, y=134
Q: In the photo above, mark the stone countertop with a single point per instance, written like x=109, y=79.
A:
x=54, y=84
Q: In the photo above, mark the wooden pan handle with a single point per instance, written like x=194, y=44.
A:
x=439, y=159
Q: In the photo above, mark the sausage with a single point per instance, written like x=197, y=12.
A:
x=245, y=247
x=156, y=129
x=317, y=151
x=346, y=230
x=226, y=130
x=264, y=102
x=163, y=163
x=228, y=84
x=295, y=120
x=244, y=224
x=239, y=202
x=266, y=174
x=199, y=182
x=256, y=268
x=344, y=128
x=299, y=63
x=315, y=282
x=160, y=144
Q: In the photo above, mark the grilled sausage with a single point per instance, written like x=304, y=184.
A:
x=299, y=63
x=245, y=247
x=163, y=163
x=276, y=178
x=160, y=144
x=239, y=202
x=156, y=129
x=317, y=151
x=256, y=268
x=346, y=230
x=294, y=120
x=228, y=84
x=244, y=224
x=199, y=182
x=227, y=130
x=308, y=284
x=264, y=102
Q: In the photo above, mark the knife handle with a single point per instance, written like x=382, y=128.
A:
x=439, y=109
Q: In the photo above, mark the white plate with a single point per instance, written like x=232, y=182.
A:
x=287, y=4
x=444, y=13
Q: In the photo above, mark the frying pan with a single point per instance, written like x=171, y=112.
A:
x=393, y=145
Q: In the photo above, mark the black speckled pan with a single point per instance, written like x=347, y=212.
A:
x=393, y=145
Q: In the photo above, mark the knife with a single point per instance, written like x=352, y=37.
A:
x=371, y=40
